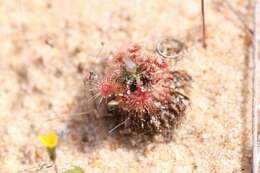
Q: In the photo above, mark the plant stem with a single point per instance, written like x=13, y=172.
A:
x=55, y=167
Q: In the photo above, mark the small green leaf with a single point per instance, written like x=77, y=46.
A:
x=75, y=170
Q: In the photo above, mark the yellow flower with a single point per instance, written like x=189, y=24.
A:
x=50, y=140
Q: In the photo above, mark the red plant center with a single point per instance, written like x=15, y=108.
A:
x=106, y=89
x=161, y=63
x=139, y=97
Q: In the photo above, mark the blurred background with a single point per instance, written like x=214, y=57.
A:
x=47, y=45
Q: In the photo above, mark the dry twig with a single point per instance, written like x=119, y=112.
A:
x=203, y=24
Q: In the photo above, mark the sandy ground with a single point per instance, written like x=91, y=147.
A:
x=45, y=45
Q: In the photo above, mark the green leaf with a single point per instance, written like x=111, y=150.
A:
x=75, y=170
